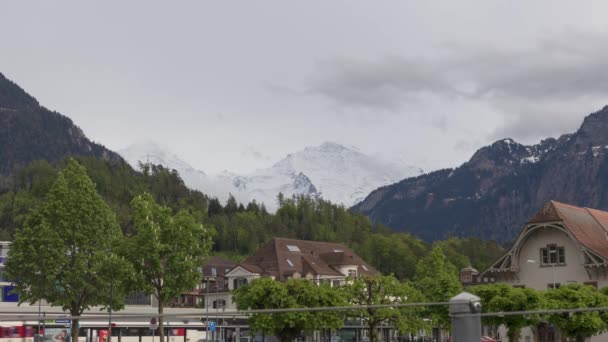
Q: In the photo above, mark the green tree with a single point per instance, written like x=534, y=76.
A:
x=505, y=298
x=166, y=251
x=379, y=290
x=63, y=253
x=580, y=324
x=438, y=281
x=266, y=293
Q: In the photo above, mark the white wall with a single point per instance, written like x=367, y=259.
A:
x=539, y=277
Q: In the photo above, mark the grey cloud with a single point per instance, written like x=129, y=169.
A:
x=572, y=66
x=385, y=84
x=539, y=91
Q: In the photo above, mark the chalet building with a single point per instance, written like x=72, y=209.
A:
x=319, y=262
x=561, y=244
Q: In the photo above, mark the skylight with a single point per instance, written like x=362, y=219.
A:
x=365, y=268
x=338, y=250
x=290, y=263
x=293, y=248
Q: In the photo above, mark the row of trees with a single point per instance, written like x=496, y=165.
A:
x=72, y=253
x=577, y=325
x=435, y=280
x=501, y=299
x=240, y=229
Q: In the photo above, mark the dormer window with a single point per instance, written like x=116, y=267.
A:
x=213, y=271
x=293, y=248
x=553, y=255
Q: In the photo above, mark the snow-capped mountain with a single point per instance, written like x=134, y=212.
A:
x=332, y=171
x=151, y=152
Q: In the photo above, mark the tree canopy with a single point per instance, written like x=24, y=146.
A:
x=166, y=251
x=378, y=290
x=63, y=254
x=266, y=293
x=438, y=281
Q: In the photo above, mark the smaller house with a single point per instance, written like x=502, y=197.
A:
x=469, y=276
x=213, y=286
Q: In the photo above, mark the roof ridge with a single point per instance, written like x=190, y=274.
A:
x=590, y=211
x=562, y=204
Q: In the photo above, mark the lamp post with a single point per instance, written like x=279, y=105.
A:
x=207, y=310
x=39, y=312
x=530, y=261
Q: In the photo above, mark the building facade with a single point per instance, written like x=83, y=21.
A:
x=561, y=244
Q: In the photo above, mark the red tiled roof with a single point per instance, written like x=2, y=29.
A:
x=282, y=258
x=588, y=226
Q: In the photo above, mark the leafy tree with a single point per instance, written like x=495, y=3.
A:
x=166, y=251
x=504, y=298
x=378, y=290
x=438, y=281
x=580, y=324
x=266, y=293
x=63, y=254
x=471, y=251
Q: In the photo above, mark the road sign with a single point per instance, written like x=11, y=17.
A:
x=153, y=323
x=212, y=326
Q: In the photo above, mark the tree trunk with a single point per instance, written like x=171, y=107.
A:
x=74, y=327
x=373, y=333
x=513, y=336
x=161, y=331
x=580, y=338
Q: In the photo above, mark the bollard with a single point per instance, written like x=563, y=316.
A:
x=466, y=326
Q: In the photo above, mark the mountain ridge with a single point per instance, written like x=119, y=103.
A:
x=29, y=131
x=492, y=194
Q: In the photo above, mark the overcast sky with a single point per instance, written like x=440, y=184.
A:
x=238, y=84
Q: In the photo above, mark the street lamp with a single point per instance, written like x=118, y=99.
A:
x=530, y=261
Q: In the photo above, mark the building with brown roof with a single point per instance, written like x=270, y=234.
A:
x=561, y=244
x=213, y=288
x=282, y=259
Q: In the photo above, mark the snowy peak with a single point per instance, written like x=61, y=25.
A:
x=151, y=152
x=333, y=171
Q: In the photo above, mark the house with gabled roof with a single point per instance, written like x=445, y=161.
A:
x=560, y=244
x=282, y=259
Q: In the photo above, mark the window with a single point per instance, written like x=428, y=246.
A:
x=553, y=255
x=219, y=304
x=352, y=273
x=213, y=271
x=553, y=286
x=335, y=283
x=293, y=248
x=290, y=263
x=238, y=282
x=220, y=284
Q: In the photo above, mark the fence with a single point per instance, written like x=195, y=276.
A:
x=465, y=312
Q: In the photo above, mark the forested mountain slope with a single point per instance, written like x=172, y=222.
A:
x=493, y=194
